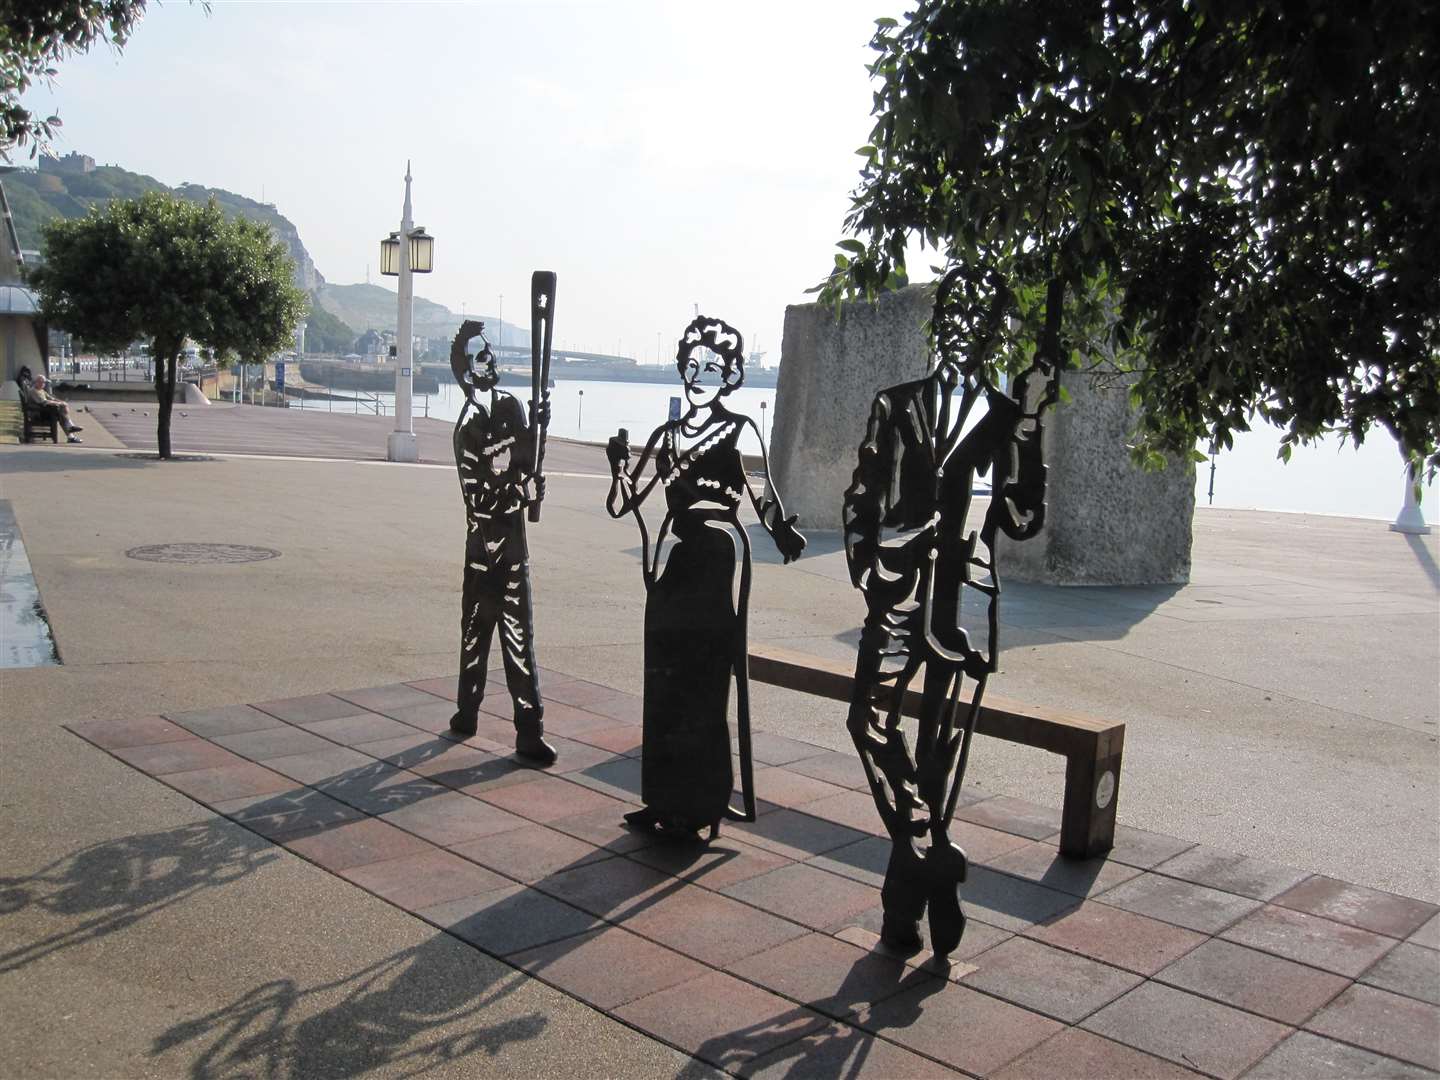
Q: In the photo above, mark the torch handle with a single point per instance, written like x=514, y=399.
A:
x=542, y=328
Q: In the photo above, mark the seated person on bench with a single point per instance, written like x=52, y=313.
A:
x=39, y=390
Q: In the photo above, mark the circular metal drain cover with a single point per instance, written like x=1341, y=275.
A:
x=202, y=553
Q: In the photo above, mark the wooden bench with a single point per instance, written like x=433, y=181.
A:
x=1091, y=748
x=38, y=418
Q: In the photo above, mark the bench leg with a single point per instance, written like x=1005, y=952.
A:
x=1092, y=790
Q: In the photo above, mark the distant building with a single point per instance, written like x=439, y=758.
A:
x=70, y=163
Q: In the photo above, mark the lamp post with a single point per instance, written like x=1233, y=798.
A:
x=1410, y=519
x=416, y=255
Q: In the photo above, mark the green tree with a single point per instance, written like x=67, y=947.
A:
x=164, y=269
x=326, y=333
x=1237, y=199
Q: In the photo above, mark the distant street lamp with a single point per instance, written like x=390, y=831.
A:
x=502, y=320
x=762, y=421
x=580, y=414
x=397, y=259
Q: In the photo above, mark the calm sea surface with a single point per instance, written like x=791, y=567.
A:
x=1330, y=477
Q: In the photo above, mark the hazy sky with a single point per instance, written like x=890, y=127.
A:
x=655, y=155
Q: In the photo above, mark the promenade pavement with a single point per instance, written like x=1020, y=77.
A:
x=1281, y=711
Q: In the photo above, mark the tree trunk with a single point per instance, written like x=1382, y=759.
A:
x=165, y=369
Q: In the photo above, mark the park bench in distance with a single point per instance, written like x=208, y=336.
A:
x=1091, y=748
x=36, y=416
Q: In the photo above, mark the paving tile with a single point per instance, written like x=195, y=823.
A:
x=771, y=749
x=444, y=687
x=1043, y=864
x=358, y=730
x=304, y=710
x=864, y=931
x=424, y=880
x=571, y=721
x=180, y=755
x=714, y=865
x=1076, y=1054
x=291, y=810
x=510, y=920
x=484, y=776
x=1008, y=902
x=829, y=975
x=574, y=755
x=333, y=763
x=452, y=818
x=1386, y=1023
x=530, y=853
x=618, y=778
x=627, y=708
x=1180, y=902
x=1355, y=905
x=378, y=789
x=216, y=785
x=382, y=699
x=1428, y=935
x=605, y=828
x=432, y=755
x=433, y=716
x=959, y=1026
x=1231, y=872
x=807, y=895
x=1045, y=980
x=491, y=733
x=141, y=731
x=720, y=1019
x=625, y=739
x=785, y=788
x=841, y=769
x=1144, y=850
x=613, y=888
x=985, y=845
x=1183, y=1028
x=713, y=929
x=355, y=843
x=864, y=861
x=1309, y=939
x=1120, y=938
x=1254, y=981
x=391, y=749
x=272, y=743
x=575, y=692
x=608, y=967
x=1408, y=969
x=1012, y=816
x=795, y=834
x=855, y=809
x=549, y=798
x=1308, y=1055
x=230, y=720
x=841, y=1050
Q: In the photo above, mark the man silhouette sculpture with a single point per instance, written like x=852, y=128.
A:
x=494, y=452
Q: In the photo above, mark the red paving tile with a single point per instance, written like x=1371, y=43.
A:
x=1145, y=850
x=1408, y=969
x=829, y=975
x=571, y=721
x=431, y=756
x=625, y=739
x=228, y=782
x=530, y=853
x=574, y=755
x=1045, y=980
x=843, y=770
x=575, y=692
x=961, y=1027
x=615, y=889
x=230, y=720
x=843, y=1051
x=609, y=967
x=1126, y=940
x=1428, y=935
x=505, y=921
x=1008, y=902
x=982, y=844
x=1188, y=1030
x=142, y=731
x=712, y=928
x=1254, y=981
x=715, y=865
x=425, y=879
x=304, y=710
x=864, y=861
x=627, y=708
x=550, y=798
x=378, y=789
x=357, y=730
x=1012, y=816
x=355, y=844
x=1042, y=863
x=720, y=1019
x=1310, y=939
x=444, y=687
x=605, y=829
x=771, y=749
x=451, y=818
x=433, y=717
x=485, y=776
x=272, y=743
x=1232, y=872
x=391, y=749
x=807, y=895
x=1355, y=905
x=331, y=764
x=1307, y=1055
x=180, y=755
x=1075, y=1054
x=853, y=808
x=382, y=699
x=785, y=788
x=795, y=834
x=618, y=778
x=1386, y=1023
x=282, y=813
x=1192, y=906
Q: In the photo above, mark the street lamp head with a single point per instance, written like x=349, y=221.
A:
x=390, y=255
x=422, y=253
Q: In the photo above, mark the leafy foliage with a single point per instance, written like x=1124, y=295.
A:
x=325, y=333
x=166, y=269
x=35, y=35
x=1237, y=199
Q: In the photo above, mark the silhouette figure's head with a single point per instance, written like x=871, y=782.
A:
x=970, y=307
x=474, y=372
x=711, y=360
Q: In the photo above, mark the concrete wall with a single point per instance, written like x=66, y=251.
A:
x=830, y=372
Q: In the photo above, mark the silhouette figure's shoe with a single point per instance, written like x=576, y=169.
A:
x=461, y=724
x=643, y=819
x=533, y=747
x=902, y=935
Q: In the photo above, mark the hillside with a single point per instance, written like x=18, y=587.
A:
x=367, y=307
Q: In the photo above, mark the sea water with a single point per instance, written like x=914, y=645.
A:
x=1329, y=477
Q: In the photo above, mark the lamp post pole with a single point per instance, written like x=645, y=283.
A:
x=1410, y=519
x=402, y=445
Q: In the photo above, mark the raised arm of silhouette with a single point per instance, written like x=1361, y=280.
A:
x=697, y=579
x=912, y=554
x=494, y=452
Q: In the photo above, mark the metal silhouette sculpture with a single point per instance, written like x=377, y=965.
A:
x=499, y=452
x=910, y=553
x=695, y=608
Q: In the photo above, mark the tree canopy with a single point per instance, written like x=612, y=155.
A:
x=164, y=269
x=1239, y=200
